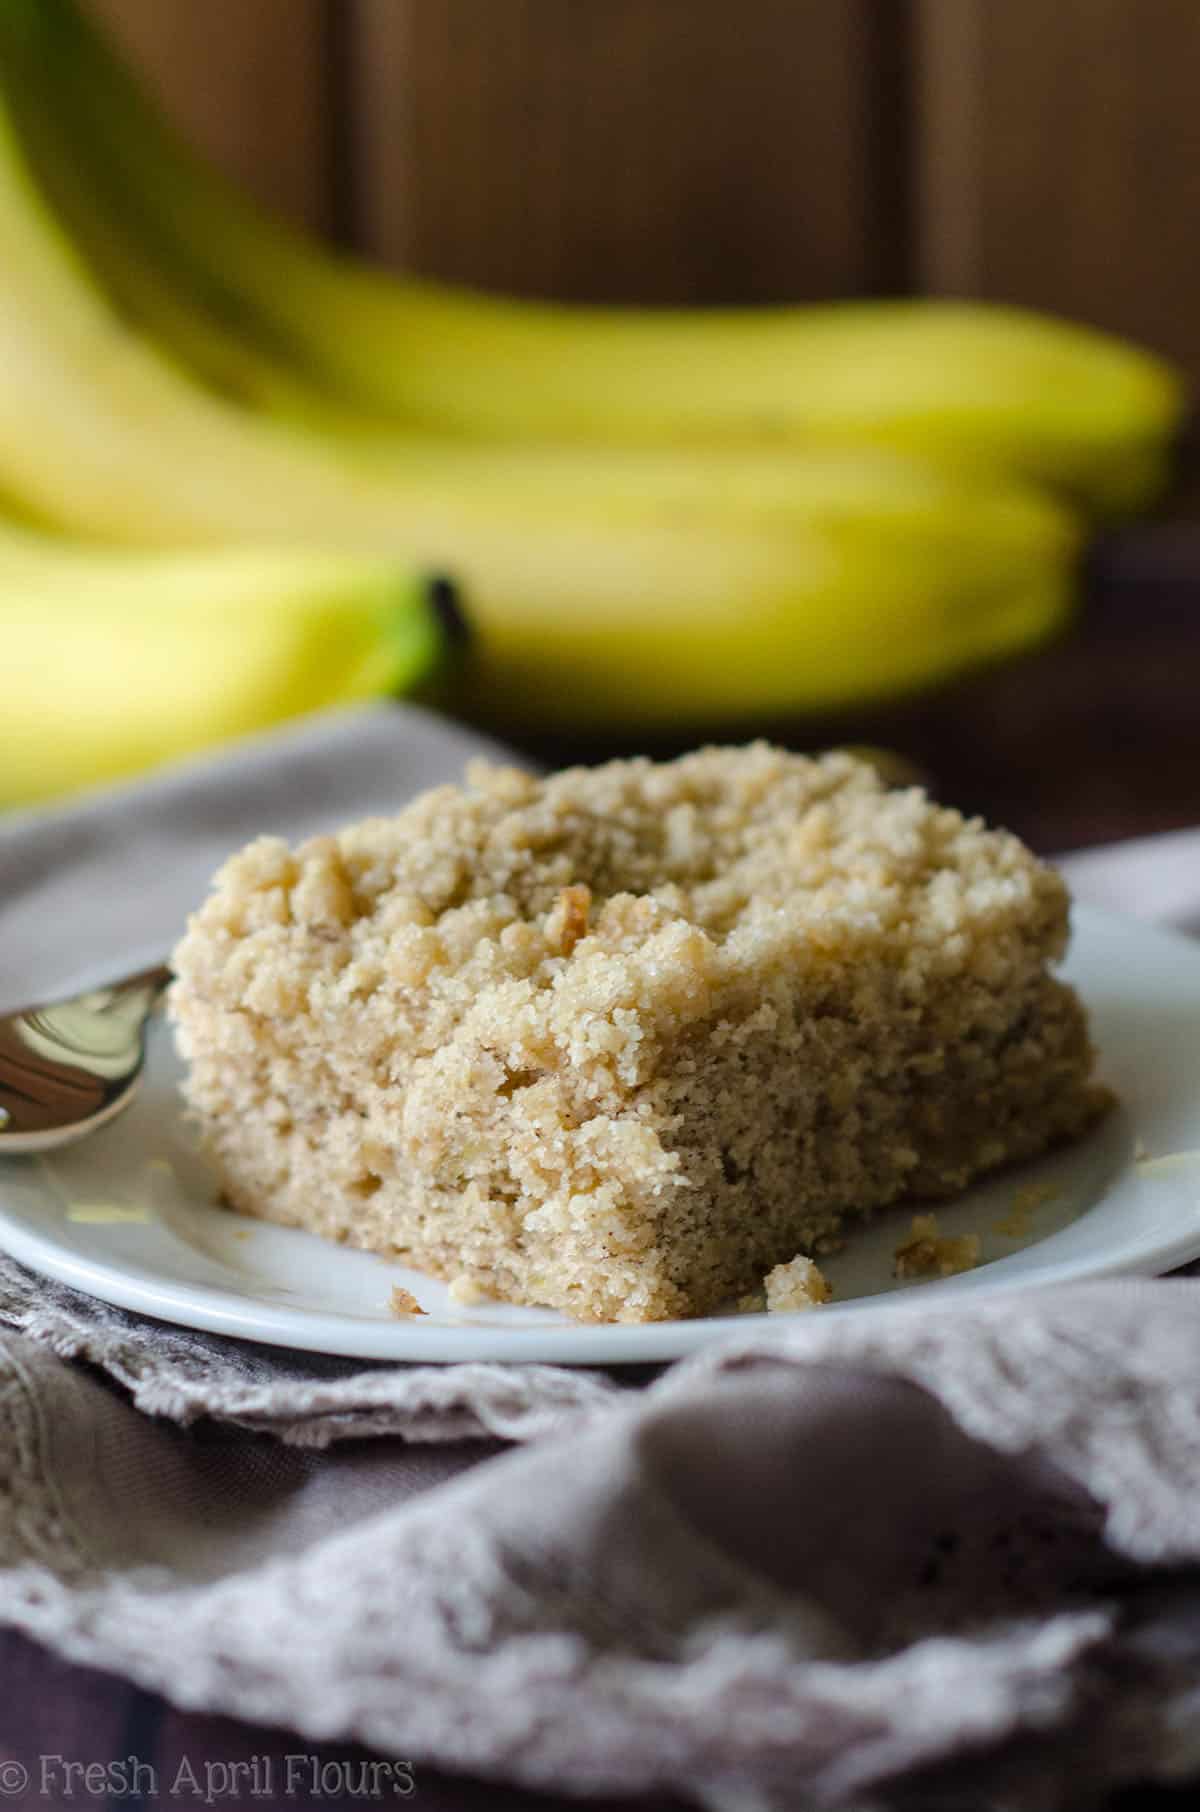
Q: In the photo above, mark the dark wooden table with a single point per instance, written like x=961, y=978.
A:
x=53, y=1715
x=1096, y=739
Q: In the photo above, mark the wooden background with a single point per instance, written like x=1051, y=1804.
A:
x=688, y=150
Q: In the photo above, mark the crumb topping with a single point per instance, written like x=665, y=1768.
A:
x=575, y=917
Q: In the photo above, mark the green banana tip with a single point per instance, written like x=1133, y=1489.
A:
x=447, y=636
x=445, y=600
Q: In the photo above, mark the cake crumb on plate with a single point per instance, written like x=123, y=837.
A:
x=1018, y=1222
x=929, y=1253
x=403, y=1302
x=798, y=1284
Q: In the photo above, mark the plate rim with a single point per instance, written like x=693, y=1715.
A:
x=206, y=1308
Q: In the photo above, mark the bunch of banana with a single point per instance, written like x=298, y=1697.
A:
x=655, y=518
x=989, y=387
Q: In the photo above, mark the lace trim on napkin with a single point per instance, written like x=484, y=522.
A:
x=578, y=1612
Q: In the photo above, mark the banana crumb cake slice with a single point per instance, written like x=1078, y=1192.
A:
x=621, y=1040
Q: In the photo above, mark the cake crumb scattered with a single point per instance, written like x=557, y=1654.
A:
x=466, y=1292
x=928, y=1253
x=1033, y=1195
x=799, y=1284
x=1017, y=1224
x=403, y=1302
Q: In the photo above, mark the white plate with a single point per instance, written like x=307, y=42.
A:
x=129, y=1216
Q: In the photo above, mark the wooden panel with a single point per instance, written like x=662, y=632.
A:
x=653, y=149
x=1059, y=159
x=247, y=79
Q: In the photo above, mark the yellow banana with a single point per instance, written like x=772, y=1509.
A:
x=981, y=386
x=148, y=292
x=116, y=661
x=634, y=588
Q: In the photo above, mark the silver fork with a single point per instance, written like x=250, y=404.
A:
x=72, y=1065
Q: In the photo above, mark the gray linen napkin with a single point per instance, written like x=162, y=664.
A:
x=913, y=1559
